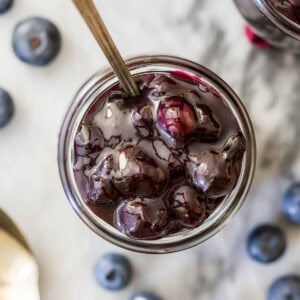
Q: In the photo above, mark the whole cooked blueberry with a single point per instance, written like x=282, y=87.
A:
x=266, y=243
x=214, y=173
x=285, y=288
x=209, y=127
x=113, y=271
x=6, y=108
x=143, y=218
x=138, y=173
x=176, y=117
x=145, y=296
x=89, y=141
x=36, y=41
x=291, y=203
x=5, y=5
x=101, y=190
x=142, y=118
x=188, y=206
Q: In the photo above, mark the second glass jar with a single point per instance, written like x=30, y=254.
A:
x=275, y=21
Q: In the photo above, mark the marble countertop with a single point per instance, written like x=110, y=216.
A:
x=208, y=32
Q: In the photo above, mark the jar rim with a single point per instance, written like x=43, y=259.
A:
x=89, y=92
x=279, y=20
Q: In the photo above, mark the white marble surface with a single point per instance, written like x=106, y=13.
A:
x=209, y=32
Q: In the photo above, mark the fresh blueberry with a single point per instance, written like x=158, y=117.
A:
x=113, y=271
x=291, y=203
x=145, y=296
x=5, y=5
x=36, y=41
x=6, y=108
x=266, y=243
x=285, y=288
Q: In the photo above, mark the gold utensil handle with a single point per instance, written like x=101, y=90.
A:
x=7, y=224
x=96, y=25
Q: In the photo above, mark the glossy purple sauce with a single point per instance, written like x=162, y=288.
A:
x=162, y=162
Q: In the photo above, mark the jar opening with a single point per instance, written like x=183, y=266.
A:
x=90, y=92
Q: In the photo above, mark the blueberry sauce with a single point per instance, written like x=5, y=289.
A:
x=160, y=163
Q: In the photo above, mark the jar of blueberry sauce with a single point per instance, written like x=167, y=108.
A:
x=148, y=181
x=275, y=21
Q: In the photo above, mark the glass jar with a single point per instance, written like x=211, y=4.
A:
x=273, y=21
x=91, y=91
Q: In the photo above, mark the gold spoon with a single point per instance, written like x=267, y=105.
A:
x=18, y=267
x=7, y=224
x=94, y=21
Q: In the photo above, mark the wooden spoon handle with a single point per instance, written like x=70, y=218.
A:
x=94, y=21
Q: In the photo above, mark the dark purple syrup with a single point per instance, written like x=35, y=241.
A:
x=159, y=163
x=288, y=8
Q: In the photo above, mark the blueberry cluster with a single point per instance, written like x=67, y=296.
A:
x=169, y=164
x=267, y=243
